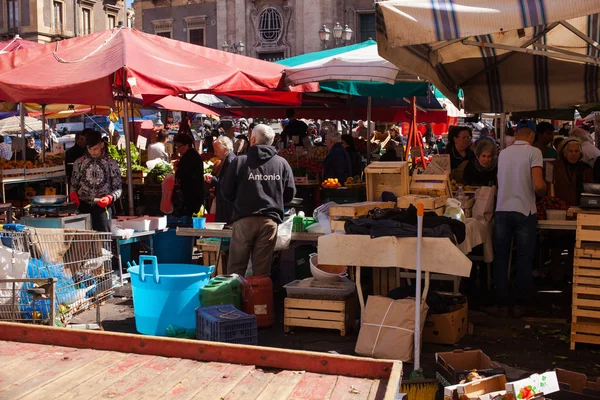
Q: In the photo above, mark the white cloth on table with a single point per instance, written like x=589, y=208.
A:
x=478, y=232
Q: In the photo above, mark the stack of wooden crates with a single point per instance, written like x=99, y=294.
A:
x=585, y=322
x=390, y=177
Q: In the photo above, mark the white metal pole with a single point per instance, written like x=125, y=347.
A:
x=127, y=135
x=418, y=289
x=23, y=130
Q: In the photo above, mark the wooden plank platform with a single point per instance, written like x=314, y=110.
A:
x=37, y=361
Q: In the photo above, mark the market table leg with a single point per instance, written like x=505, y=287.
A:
x=359, y=290
x=118, y=246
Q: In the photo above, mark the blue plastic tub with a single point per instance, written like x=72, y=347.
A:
x=172, y=249
x=166, y=294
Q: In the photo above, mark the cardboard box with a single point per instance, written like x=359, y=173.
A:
x=454, y=366
x=575, y=385
x=545, y=383
x=484, y=389
x=447, y=328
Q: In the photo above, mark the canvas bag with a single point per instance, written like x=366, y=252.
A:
x=485, y=199
x=387, y=328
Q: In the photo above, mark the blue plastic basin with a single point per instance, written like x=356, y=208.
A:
x=166, y=294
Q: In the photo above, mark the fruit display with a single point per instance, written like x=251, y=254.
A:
x=353, y=182
x=209, y=165
x=319, y=153
x=310, y=165
x=466, y=188
x=550, y=203
x=290, y=156
x=331, y=183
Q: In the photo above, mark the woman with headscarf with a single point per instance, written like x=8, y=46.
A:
x=571, y=172
x=481, y=170
x=589, y=152
x=459, y=145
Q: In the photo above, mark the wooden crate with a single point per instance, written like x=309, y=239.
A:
x=326, y=314
x=386, y=177
x=384, y=280
x=431, y=185
x=431, y=204
x=212, y=255
x=585, y=321
x=339, y=214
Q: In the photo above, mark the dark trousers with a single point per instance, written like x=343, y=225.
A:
x=100, y=216
x=253, y=238
x=509, y=225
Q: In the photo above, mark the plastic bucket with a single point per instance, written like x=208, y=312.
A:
x=172, y=249
x=166, y=294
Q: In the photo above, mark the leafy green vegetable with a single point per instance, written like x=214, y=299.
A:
x=120, y=156
x=159, y=172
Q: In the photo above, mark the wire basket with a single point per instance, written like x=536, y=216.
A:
x=80, y=261
x=226, y=324
x=28, y=300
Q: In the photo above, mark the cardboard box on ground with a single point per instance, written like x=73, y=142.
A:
x=447, y=328
x=452, y=367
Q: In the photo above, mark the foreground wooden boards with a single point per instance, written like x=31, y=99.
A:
x=123, y=366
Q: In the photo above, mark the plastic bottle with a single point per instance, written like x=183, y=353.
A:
x=460, y=196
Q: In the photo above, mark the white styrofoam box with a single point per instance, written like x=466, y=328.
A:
x=545, y=383
x=137, y=224
x=158, y=223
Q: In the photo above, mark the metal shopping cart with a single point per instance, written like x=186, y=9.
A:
x=79, y=262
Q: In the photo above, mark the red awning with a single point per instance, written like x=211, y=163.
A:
x=16, y=44
x=86, y=69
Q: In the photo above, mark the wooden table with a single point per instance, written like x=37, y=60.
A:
x=439, y=255
x=557, y=225
x=226, y=233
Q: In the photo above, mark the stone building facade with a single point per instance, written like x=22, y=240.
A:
x=48, y=20
x=269, y=29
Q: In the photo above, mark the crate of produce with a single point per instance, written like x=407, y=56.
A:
x=431, y=185
x=585, y=309
x=386, y=177
x=225, y=324
x=430, y=203
x=343, y=212
x=325, y=314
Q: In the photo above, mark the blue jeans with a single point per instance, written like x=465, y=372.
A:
x=523, y=229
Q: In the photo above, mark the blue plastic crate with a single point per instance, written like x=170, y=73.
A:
x=226, y=324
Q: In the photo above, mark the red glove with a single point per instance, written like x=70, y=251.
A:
x=105, y=201
x=74, y=198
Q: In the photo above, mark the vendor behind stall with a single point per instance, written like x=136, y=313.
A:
x=96, y=182
x=482, y=170
x=543, y=140
x=570, y=172
x=337, y=163
x=224, y=152
x=459, y=145
x=190, y=175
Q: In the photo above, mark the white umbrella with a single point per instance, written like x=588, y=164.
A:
x=507, y=55
x=13, y=125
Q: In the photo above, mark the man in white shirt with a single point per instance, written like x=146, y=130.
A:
x=520, y=179
x=157, y=150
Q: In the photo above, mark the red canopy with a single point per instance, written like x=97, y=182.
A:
x=86, y=69
x=16, y=44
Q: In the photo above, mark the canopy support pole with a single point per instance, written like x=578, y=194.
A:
x=584, y=59
x=126, y=133
x=43, y=144
x=23, y=130
x=502, y=131
x=582, y=35
x=369, y=132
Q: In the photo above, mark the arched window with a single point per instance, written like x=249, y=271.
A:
x=270, y=25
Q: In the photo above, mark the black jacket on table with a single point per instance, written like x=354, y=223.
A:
x=224, y=207
x=259, y=183
x=190, y=175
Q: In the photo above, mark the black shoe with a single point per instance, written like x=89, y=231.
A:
x=496, y=311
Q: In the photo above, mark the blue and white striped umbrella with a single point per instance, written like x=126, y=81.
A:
x=507, y=55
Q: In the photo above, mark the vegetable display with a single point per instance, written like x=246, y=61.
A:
x=120, y=156
x=549, y=203
x=159, y=172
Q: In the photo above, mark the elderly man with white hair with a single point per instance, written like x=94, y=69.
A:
x=337, y=163
x=258, y=184
x=224, y=152
x=589, y=152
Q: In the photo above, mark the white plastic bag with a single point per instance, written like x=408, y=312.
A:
x=13, y=265
x=321, y=214
x=284, y=233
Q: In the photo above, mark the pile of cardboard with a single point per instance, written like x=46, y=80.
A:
x=471, y=375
